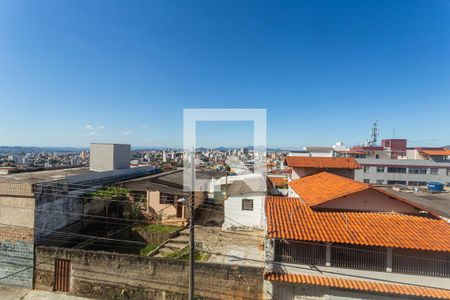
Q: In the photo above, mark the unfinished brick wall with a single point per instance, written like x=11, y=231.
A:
x=105, y=275
x=16, y=256
x=16, y=234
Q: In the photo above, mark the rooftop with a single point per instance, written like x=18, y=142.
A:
x=288, y=218
x=42, y=176
x=322, y=162
x=360, y=285
x=437, y=202
x=323, y=187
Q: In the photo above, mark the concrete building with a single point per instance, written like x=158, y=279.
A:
x=412, y=172
x=108, y=157
x=35, y=205
x=342, y=239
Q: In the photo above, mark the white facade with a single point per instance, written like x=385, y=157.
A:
x=237, y=217
x=244, y=201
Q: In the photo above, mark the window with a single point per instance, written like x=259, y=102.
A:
x=417, y=171
x=377, y=156
x=366, y=169
x=417, y=183
x=166, y=199
x=247, y=204
x=434, y=171
x=366, y=181
x=380, y=169
x=396, y=170
x=448, y=172
x=396, y=182
x=380, y=181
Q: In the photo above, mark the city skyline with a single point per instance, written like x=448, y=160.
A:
x=324, y=71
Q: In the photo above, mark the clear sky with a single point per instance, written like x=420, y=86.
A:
x=74, y=72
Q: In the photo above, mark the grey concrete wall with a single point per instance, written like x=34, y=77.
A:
x=104, y=275
x=106, y=157
x=122, y=156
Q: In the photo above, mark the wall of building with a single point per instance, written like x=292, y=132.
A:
x=104, y=275
x=369, y=171
x=236, y=217
x=16, y=234
x=370, y=200
x=106, y=157
x=302, y=172
x=166, y=211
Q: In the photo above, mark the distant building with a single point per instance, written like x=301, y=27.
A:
x=412, y=172
x=108, y=157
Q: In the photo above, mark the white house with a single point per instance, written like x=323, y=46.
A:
x=244, y=201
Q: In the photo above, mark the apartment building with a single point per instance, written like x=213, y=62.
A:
x=344, y=239
x=412, y=172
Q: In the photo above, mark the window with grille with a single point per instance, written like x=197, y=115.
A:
x=166, y=199
x=247, y=204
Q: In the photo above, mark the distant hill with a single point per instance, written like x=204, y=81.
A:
x=20, y=149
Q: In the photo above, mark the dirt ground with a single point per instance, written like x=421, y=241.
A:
x=232, y=247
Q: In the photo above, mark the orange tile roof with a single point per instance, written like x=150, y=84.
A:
x=322, y=162
x=323, y=187
x=436, y=152
x=361, y=285
x=288, y=218
x=278, y=181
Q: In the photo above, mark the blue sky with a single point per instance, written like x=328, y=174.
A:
x=74, y=72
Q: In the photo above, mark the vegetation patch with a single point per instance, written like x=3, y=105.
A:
x=147, y=249
x=183, y=254
x=156, y=228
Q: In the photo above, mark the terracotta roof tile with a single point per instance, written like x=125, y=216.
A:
x=288, y=218
x=278, y=181
x=322, y=162
x=361, y=285
x=436, y=152
x=323, y=187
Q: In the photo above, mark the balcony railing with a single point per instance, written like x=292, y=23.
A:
x=429, y=263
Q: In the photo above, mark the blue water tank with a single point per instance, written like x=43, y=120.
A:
x=435, y=186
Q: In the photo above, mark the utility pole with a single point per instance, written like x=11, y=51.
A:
x=191, y=234
x=191, y=248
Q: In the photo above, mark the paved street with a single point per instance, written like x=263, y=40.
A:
x=11, y=293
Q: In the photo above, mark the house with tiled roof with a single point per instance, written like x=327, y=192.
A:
x=303, y=166
x=327, y=191
x=346, y=239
